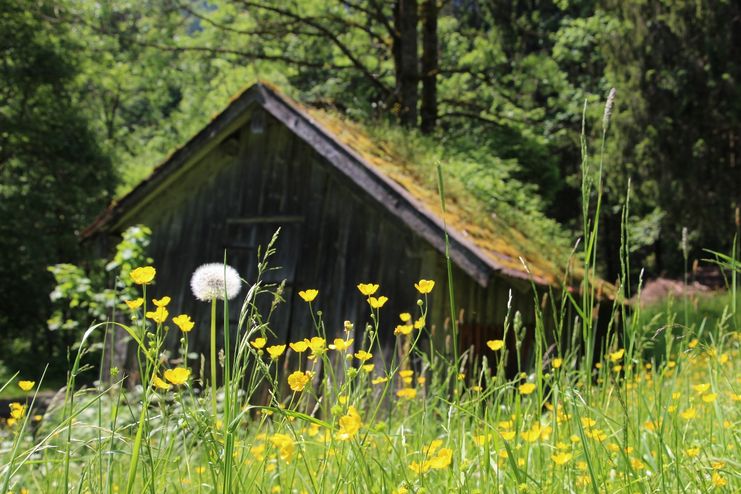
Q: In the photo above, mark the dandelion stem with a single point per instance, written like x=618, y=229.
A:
x=213, y=357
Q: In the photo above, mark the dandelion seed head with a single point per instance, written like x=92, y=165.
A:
x=211, y=281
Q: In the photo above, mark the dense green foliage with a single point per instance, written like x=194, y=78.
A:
x=53, y=175
x=677, y=129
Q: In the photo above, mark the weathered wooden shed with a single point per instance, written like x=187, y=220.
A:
x=349, y=212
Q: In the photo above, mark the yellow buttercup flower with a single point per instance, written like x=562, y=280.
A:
x=26, y=385
x=184, y=322
x=286, y=446
x=616, y=356
x=377, y=303
x=701, y=388
x=561, y=458
x=135, y=304
x=405, y=317
x=362, y=355
x=424, y=286
x=419, y=468
x=432, y=447
x=308, y=295
x=507, y=435
x=341, y=345
x=709, y=397
x=557, y=362
x=652, y=425
x=17, y=411
x=159, y=383
x=367, y=289
x=588, y=422
x=379, y=380
x=299, y=346
x=597, y=434
x=692, y=452
x=259, y=342
x=349, y=424
x=298, y=380
x=533, y=434
x=688, y=414
x=406, y=373
x=718, y=480
x=161, y=302
x=495, y=345
x=404, y=329
x=368, y=367
x=276, y=351
x=177, y=376
x=317, y=345
x=443, y=459
x=406, y=393
x=527, y=388
x=158, y=316
x=143, y=275
x=313, y=429
x=419, y=323
x=481, y=439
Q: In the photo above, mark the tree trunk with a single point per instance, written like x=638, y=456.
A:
x=406, y=60
x=428, y=110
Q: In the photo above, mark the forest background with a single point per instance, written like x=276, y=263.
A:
x=94, y=94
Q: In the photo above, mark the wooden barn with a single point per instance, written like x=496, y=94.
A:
x=348, y=211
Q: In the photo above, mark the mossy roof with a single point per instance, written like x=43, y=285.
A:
x=503, y=244
x=482, y=244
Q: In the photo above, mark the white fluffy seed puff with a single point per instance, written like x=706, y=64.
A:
x=211, y=281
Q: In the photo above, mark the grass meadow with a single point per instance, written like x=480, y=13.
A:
x=417, y=423
x=653, y=409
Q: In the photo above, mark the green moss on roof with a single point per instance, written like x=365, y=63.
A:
x=504, y=244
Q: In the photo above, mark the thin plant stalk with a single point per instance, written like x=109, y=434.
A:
x=214, y=408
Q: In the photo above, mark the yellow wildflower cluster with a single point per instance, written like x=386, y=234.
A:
x=434, y=458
